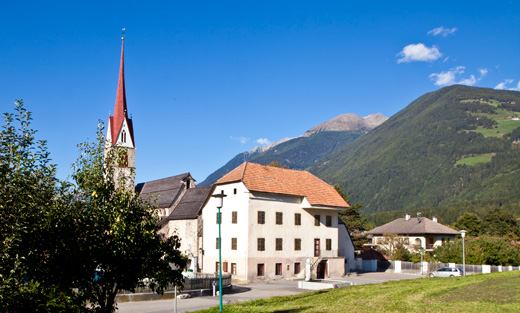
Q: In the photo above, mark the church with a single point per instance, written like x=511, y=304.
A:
x=177, y=198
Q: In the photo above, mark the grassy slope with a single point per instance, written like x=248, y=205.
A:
x=409, y=161
x=497, y=292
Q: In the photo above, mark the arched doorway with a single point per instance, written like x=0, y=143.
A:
x=322, y=270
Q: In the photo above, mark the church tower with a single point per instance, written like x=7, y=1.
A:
x=120, y=132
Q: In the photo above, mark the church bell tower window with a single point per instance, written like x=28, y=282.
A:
x=123, y=136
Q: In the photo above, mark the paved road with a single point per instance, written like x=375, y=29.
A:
x=246, y=292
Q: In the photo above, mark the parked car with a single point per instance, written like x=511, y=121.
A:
x=447, y=272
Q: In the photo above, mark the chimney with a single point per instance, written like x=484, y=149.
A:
x=434, y=219
x=407, y=217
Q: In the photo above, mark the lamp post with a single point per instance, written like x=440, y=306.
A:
x=219, y=200
x=463, y=234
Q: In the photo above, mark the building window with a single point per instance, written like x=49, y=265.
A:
x=233, y=268
x=297, y=267
x=328, y=244
x=260, y=244
x=328, y=220
x=224, y=267
x=279, y=244
x=297, y=219
x=216, y=243
x=233, y=243
x=235, y=191
x=261, y=217
x=218, y=218
x=278, y=269
x=279, y=218
x=216, y=267
x=260, y=270
x=123, y=136
x=297, y=244
x=234, y=217
x=317, y=220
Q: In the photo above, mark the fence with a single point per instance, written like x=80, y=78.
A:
x=425, y=267
x=200, y=282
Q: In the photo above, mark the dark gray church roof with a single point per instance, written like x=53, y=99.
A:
x=191, y=203
x=412, y=226
x=164, y=191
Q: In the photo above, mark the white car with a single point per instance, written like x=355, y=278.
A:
x=447, y=272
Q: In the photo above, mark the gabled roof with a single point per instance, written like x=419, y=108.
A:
x=120, y=109
x=401, y=226
x=190, y=205
x=262, y=178
x=165, y=191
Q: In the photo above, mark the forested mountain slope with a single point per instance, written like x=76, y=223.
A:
x=457, y=146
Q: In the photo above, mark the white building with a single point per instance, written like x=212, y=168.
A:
x=273, y=220
x=420, y=232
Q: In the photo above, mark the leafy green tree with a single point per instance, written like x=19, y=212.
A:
x=501, y=223
x=482, y=250
x=31, y=198
x=469, y=222
x=353, y=220
x=124, y=246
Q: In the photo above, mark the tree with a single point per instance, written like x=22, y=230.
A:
x=482, y=250
x=502, y=224
x=63, y=247
x=124, y=246
x=353, y=220
x=471, y=223
x=394, y=247
x=31, y=198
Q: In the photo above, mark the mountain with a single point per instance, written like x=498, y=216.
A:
x=302, y=152
x=348, y=122
x=452, y=148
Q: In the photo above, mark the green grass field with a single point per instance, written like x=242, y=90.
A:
x=475, y=160
x=505, y=123
x=497, y=292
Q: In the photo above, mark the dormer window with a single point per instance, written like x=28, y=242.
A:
x=123, y=136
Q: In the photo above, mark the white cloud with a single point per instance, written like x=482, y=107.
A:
x=242, y=140
x=263, y=141
x=503, y=85
x=442, y=31
x=451, y=77
x=418, y=52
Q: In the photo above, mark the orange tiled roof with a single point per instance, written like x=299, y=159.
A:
x=262, y=178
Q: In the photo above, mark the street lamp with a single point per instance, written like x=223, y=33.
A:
x=219, y=200
x=463, y=234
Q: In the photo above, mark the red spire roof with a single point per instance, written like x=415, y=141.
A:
x=120, y=110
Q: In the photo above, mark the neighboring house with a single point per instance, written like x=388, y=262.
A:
x=415, y=233
x=272, y=221
x=179, y=203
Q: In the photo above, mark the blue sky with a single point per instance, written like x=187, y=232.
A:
x=208, y=80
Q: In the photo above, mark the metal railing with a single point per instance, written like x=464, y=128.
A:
x=200, y=282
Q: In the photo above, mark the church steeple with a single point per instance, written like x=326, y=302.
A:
x=120, y=130
x=120, y=133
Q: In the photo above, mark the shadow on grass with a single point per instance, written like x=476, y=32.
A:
x=292, y=310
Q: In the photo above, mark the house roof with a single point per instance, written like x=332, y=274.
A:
x=401, y=226
x=120, y=110
x=165, y=191
x=372, y=254
x=190, y=205
x=262, y=178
